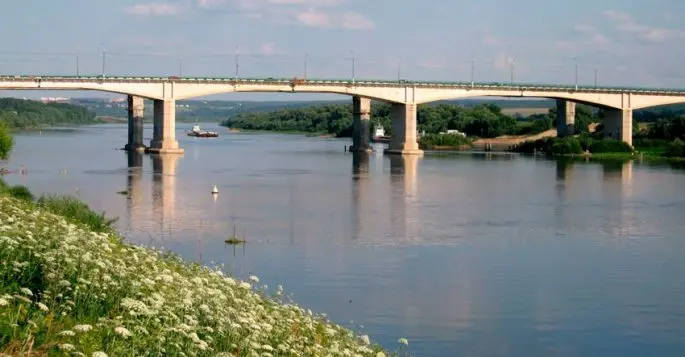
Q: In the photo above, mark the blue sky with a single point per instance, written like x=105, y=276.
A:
x=635, y=42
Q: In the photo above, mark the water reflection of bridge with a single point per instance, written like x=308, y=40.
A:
x=163, y=192
x=370, y=190
x=614, y=189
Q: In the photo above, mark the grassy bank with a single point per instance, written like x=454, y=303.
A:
x=69, y=285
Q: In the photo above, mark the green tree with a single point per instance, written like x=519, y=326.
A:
x=6, y=142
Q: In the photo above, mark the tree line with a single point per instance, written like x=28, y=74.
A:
x=482, y=120
x=24, y=114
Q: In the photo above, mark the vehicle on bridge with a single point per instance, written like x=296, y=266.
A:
x=197, y=132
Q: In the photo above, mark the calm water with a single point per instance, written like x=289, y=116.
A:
x=466, y=255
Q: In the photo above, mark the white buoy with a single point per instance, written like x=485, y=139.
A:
x=215, y=190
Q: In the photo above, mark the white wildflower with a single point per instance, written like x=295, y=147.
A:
x=67, y=333
x=365, y=339
x=245, y=285
x=99, y=354
x=67, y=347
x=83, y=328
x=403, y=341
x=42, y=306
x=4, y=302
x=123, y=332
x=254, y=279
x=380, y=354
x=26, y=291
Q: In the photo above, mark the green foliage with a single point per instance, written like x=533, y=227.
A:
x=20, y=192
x=22, y=114
x=567, y=146
x=483, y=120
x=542, y=125
x=431, y=141
x=668, y=129
x=6, y=142
x=77, y=211
x=586, y=141
x=675, y=149
x=609, y=145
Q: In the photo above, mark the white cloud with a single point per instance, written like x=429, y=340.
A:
x=155, y=9
x=347, y=20
x=270, y=49
x=306, y=2
x=625, y=24
x=208, y=4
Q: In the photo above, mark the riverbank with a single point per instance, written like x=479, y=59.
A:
x=67, y=286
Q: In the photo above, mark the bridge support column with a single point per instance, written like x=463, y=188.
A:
x=136, y=110
x=361, y=111
x=404, y=131
x=566, y=118
x=164, y=135
x=618, y=124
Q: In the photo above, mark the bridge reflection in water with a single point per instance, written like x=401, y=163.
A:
x=615, y=189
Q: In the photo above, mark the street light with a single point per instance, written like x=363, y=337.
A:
x=399, y=61
x=237, y=62
x=575, y=60
x=306, y=57
x=352, y=53
x=180, y=67
x=473, y=72
x=77, y=66
x=104, y=54
x=595, y=77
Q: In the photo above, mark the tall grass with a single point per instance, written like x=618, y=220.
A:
x=77, y=211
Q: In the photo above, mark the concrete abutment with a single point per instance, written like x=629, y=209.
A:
x=404, y=130
x=164, y=133
x=136, y=109
x=566, y=118
x=361, y=112
x=618, y=124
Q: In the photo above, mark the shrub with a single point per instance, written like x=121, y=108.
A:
x=610, y=145
x=675, y=149
x=567, y=146
x=20, y=192
x=6, y=142
x=77, y=211
x=430, y=141
x=586, y=141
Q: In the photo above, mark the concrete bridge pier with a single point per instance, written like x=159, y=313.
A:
x=404, y=130
x=566, y=118
x=164, y=134
x=136, y=108
x=618, y=124
x=361, y=112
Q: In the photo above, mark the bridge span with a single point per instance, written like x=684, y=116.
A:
x=404, y=96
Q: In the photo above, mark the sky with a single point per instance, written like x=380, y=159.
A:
x=623, y=42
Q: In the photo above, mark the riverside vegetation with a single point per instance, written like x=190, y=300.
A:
x=70, y=285
x=26, y=114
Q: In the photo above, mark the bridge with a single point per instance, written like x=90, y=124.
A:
x=618, y=103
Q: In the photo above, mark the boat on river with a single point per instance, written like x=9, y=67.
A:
x=197, y=132
x=379, y=135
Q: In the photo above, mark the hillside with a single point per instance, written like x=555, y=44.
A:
x=23, y=114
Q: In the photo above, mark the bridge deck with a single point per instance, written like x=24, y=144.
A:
x=348, y=82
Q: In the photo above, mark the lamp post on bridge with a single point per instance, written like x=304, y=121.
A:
x=306, y=58
x=104, y=61
x=575, y=60
x=473, y=72
x=595, y=77
x=512, y=72
x=180, y=67
x=352, y=54
x=399, y=64
x=237, y=62
x=78, y=74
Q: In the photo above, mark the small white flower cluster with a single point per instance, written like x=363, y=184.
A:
x=144, y=302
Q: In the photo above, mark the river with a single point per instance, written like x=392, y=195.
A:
x=463, y=255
